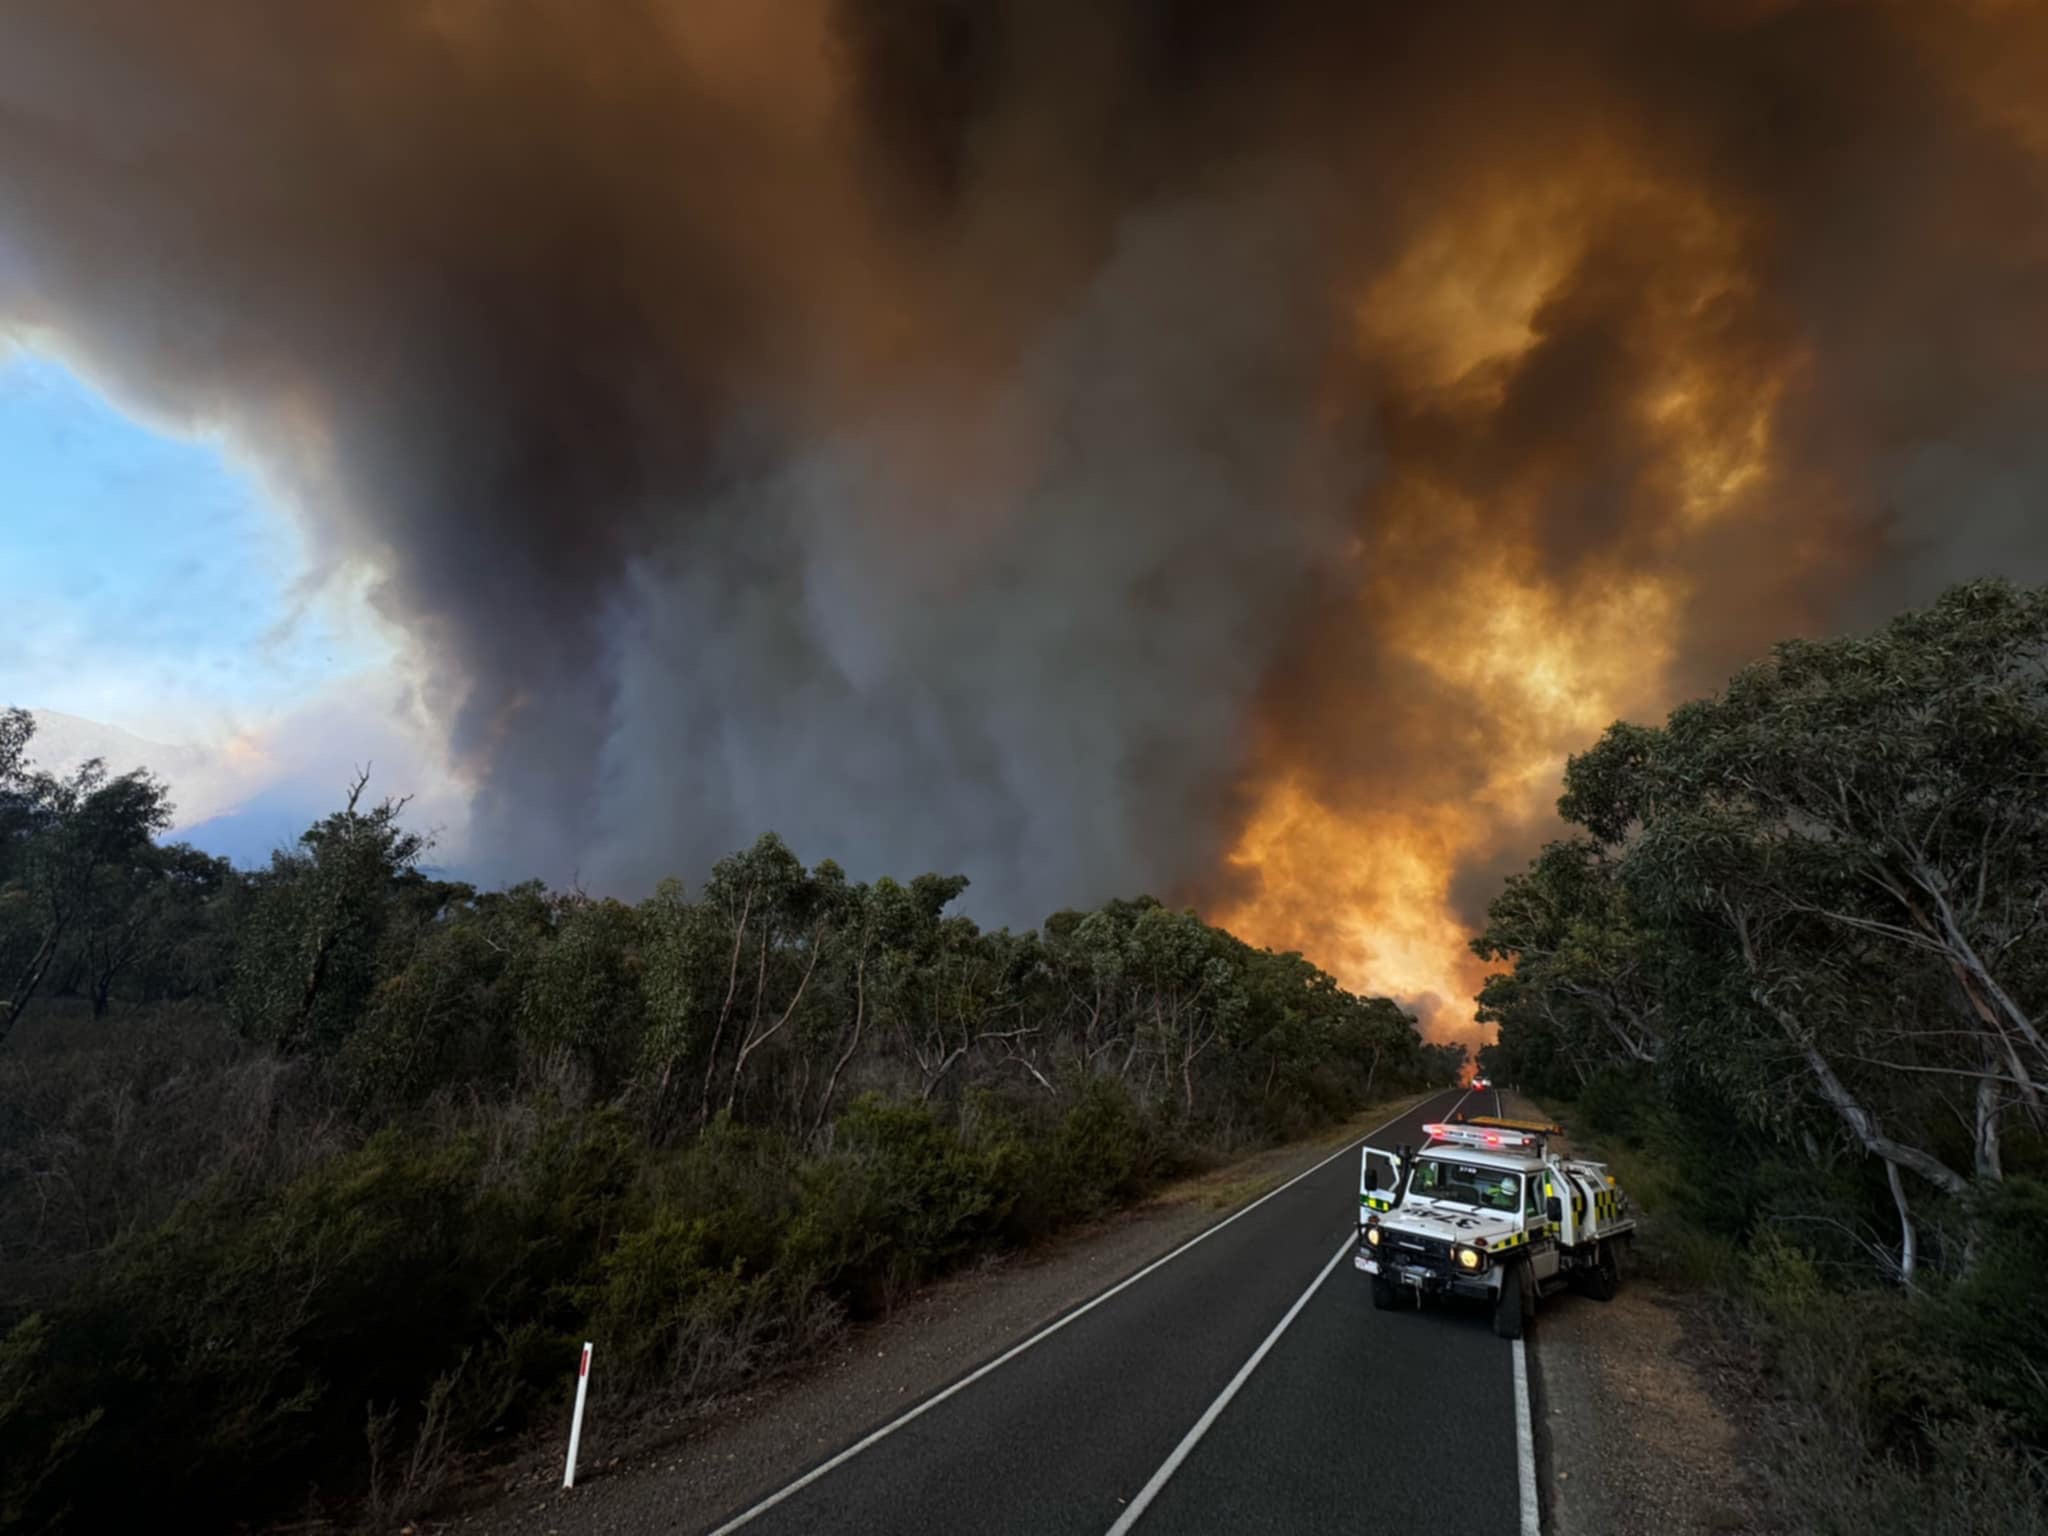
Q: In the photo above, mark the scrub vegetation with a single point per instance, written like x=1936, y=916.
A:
x=314, y=1178
x=1791, y=968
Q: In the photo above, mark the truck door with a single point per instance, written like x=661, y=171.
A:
x=1379, y=1182
x=1569, y=1221
x=1543, y=1260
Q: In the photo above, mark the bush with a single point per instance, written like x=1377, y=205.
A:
x=1103, y=1153
x=229, y=1354
x=1611, y=1102
x=359, y=1155
x=1893, y=1413
x=1997, y=1313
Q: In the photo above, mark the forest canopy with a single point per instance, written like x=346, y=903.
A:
x=405, y=1142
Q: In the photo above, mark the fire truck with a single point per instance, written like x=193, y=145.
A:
x=1486, y=1209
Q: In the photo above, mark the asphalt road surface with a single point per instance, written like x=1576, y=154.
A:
x=1242, y=1384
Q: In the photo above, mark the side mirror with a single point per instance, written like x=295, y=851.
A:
x=1554, y=1209
x=1372, y=1178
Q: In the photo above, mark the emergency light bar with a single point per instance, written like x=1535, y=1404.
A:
x=1468, y=1136
x=1535, y=1127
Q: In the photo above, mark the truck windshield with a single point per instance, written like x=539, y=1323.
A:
x=1487, y=1188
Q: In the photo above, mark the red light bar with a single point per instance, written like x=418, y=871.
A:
x=1472, y=1137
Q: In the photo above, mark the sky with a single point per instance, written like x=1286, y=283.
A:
x=152, y=587
x=1090, y=446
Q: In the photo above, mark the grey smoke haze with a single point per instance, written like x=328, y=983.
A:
x=946, y=433
x=1040, y=676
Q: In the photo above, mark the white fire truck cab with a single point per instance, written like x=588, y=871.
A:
x=1485, y=1209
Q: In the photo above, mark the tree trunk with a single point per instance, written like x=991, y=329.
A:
x=860, y=1013
x=1960, y=945
x=732, y=981
x=1989, y=1162
x=1909, y=1243
x=1863, y=1125
x=30, y=979
x=753, y=1041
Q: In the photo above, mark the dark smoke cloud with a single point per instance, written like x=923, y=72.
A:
x=944, y=431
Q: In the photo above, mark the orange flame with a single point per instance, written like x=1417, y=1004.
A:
x=1508, y=662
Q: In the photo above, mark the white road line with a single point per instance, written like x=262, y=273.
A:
x=1525, y=1436
x=1525, y=1445
x=1188, y=1441
x=1046, y=1332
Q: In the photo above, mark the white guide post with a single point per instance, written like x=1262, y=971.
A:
x=576, y=1424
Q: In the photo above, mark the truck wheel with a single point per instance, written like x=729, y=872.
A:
x=1507, y=1303
x=1383, y=1295
x=1604, y=1279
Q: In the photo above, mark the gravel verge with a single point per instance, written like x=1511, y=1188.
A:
x=1631, y=1437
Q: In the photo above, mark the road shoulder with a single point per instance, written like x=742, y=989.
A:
x=1631, y=1439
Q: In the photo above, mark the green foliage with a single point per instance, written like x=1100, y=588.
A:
x=1792, y=961
x=225, y=1354
x=309, y=957
x=1103, y=1153
x=1996, y=1314
x=1879, y=1416
x=582, y=994
x=77, y=869
x=1611, y=1105
x=317, y=1174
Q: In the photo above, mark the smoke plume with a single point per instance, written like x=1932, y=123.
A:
x=1231, y=451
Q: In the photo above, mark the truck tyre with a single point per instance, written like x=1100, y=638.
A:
x=1507, y=1303
x=1604, y=1279
x=1383, y=1295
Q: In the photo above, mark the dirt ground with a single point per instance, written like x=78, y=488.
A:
x=1632, y=1440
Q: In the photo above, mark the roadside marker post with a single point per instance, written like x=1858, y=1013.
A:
x=576, y=1423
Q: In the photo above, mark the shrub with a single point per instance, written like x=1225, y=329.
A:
x=898, y=1197
x=1611, y=1101
x=1997, y=1314
x=234, y=1347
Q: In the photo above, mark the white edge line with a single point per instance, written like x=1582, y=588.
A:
x=1047, y=1332
x=1525, y=1445
x=1525, y=1415
x=1171, y=1465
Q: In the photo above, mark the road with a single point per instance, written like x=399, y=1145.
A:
x=1242, y=1384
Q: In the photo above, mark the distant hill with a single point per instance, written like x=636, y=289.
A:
x=223, y=806
x=62, y=742
x=246, y=798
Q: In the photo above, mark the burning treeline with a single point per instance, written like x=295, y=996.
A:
x=1231, y=450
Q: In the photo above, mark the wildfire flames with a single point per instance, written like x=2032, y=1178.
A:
x=1506, y=665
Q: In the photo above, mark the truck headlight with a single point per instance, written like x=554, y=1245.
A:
x=1372, y=1235
x=1468, y=1258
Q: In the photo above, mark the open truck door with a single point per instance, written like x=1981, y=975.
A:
x=1379, y=1181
